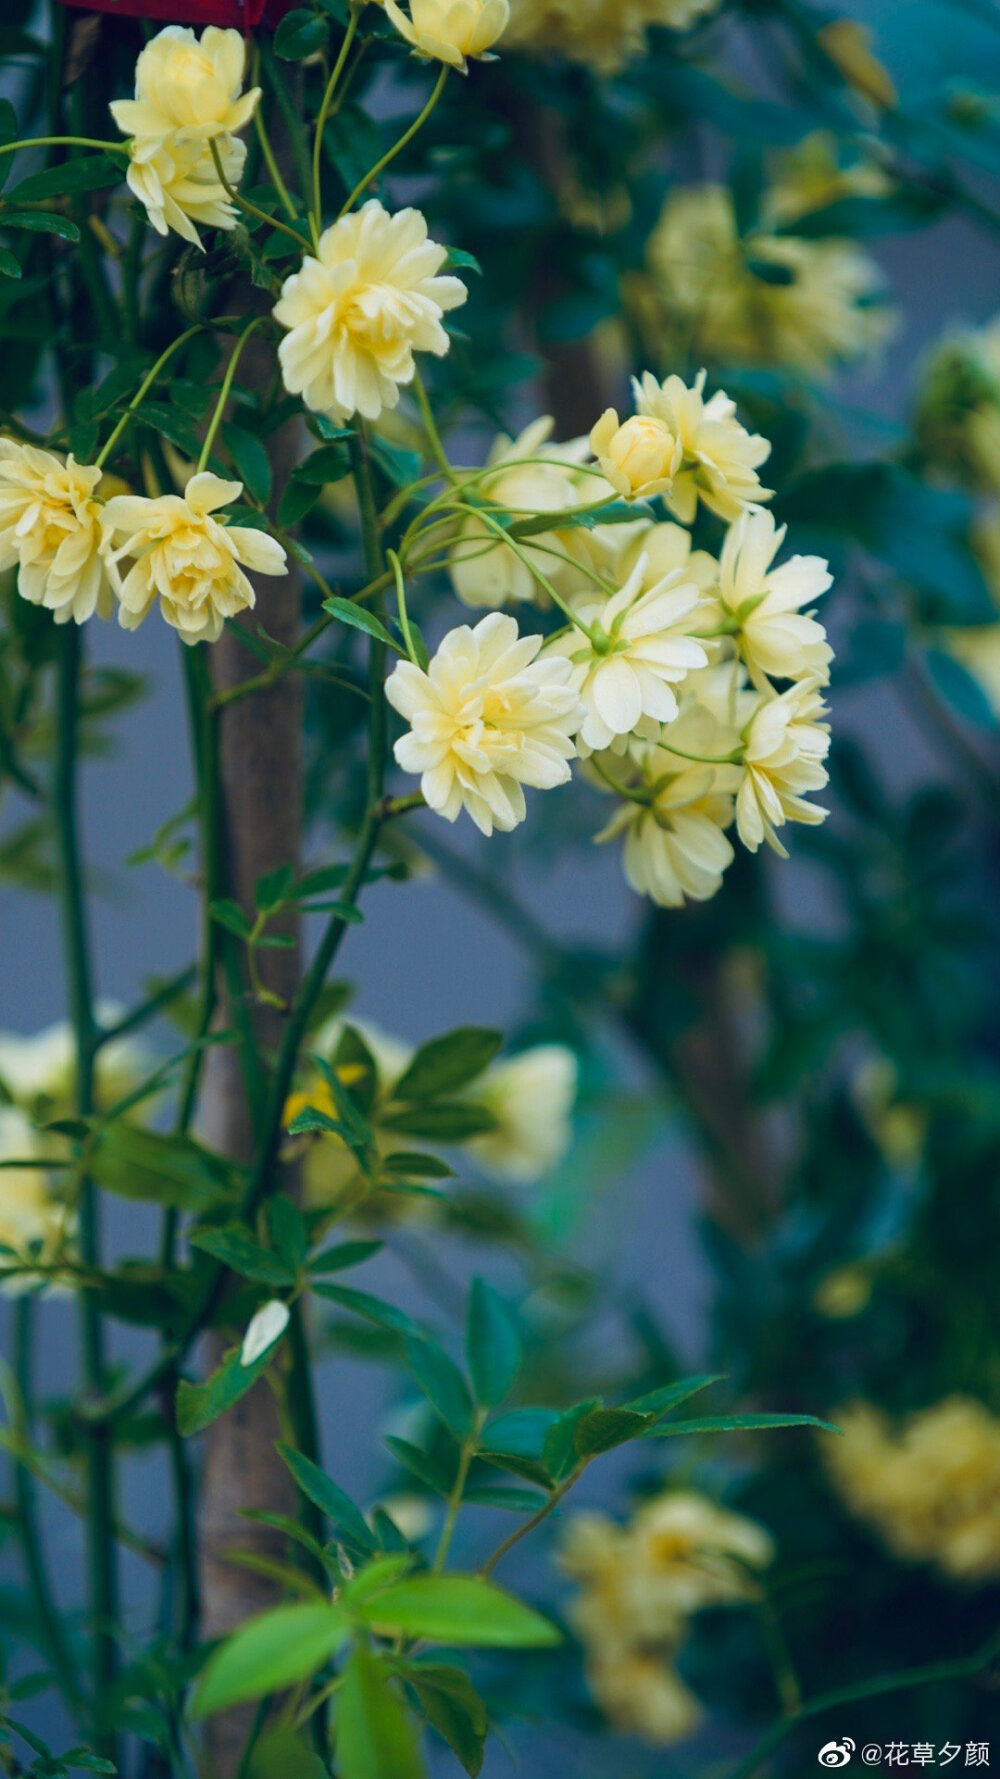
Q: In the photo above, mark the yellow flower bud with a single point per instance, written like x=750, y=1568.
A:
x=640, y=457
x=848, y=46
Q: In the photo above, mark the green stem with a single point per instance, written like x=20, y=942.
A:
x=270, y=160
x=27, y=1518
x=466, y=1454
x=397, y=147
x=316, y=216
x=404, y=617
x=64, y=142
x=227, y=384
x=530, y=1525
x=438, y=451
x=273, y=222
x=101, y=1550
x=141, y=393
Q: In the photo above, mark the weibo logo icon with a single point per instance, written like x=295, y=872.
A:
x=836, y=1754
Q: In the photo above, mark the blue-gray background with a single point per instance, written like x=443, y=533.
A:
x=425, y=960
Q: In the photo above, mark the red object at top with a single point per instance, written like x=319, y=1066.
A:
x=244, y=14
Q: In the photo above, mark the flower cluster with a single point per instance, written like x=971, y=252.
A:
x=690, y=685
x=930, y=1487
x=529, y=1098
x=185, y=156
x=775, y=299
x=602, y=34
x=639, y=1586
x=78, y=555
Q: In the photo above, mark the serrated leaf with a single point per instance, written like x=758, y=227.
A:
x=493, y=1345
x=198, y=1405
x=272, y=1652
x=237, y=1249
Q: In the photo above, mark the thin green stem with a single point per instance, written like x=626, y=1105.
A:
x=404, y=618
x=316, y=215
x=101, y=1549
x=543, y=580
x=141, y=393
x=397, y=147
x=64, y=142
x=438, y=451
x=273, y=222
x=467, y=1452
x=270, y=161
x=530, y=1525
x=227, y=384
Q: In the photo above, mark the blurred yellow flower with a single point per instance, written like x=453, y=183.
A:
x=489, y=716
x=811, y=176
x=531, y=1096
x=50, y=530
x=32, y=1219
x=930, y=1485
x=603, y=34
x=639, y=1585
x=767, y=299
x=38, y=1072
x=188, y=85
x=359, y=310
x=451, y=30
x=848, y=45
x=178, y=183
x=177, y=554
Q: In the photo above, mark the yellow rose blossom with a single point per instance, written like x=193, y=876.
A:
x=639, y=456
x=930, y=1485
x=188, y=85
x=716, y=458
x=531, y=1097
x=775, y=636
x=490, y=715
x=451, y=31
x=358, y=311
x=174, y=552
x=50, y=530
x=178, y=184
x=786, y=744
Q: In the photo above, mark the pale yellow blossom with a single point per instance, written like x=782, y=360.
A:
x=50, y=530
x=786, y=744
x=531, y=1097
x=639, y=456
x=489, y=716
x=178, y=183
x=602, y=34
x=451, y=31
x=33, y=1222
x=173, y=551
x=716, y=459
x=358, y=310
x=189, y=86
x=775, y=637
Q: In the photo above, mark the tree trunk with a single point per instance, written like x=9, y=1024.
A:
x=260, y=769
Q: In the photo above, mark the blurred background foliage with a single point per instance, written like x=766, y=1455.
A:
x=715, y=197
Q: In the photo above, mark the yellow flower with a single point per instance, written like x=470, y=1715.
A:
x=451, y=30
x=527, y=476
x=930, y=1485
x=640, y=457
x=769, y=299
x=187, y=85
x=848, y=45
x=531, y=1097
x=786, y=744
x=958, y=409
x=178, y=184
x=675, y=846
x=358, y=311
x=639, y=647
x=50, y=529
x=810, y=177
x=181, y=556
x=32, y=1220
x=642, y=1695
x=775, y=636
x=603, y=34
x=38, y=1072
x=487, y=718
x=716, y=459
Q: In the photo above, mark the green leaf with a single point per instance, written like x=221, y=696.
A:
x=446, y=1121
x=198, y=1405
x=352, y=142
x=668, y=1396
x=271, y=890
x=452, y=1704
x=86, y=173
x=559, y=1452
x=415, y=1165
x=421, y=1464
x=10, y=267
x=373, y=1309
x=443, y=1385
x=297, y=499
x=301, y=33
x=287, y=1229
x=167, y=1170
x=249, y=454
x=230, y=915
x=237, y=1249
x=448, y=1063
x=462, y=1610
x=272, y=1652
x=513, y=1500
x=8, y=123
x=375, y=1738
x=737, y=1424
x=331, y=463
x=493, y=1345
x=399, y=466
x=329, y=1497
x=460, y=261
x=357, y=618
x=41, y=222
x=604, y=1428
x=345, y=1254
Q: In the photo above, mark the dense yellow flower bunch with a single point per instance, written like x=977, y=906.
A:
x=603, y=34
x=188, y=102
x=766, y=299
x=930, y=1486
x=639, y=1586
